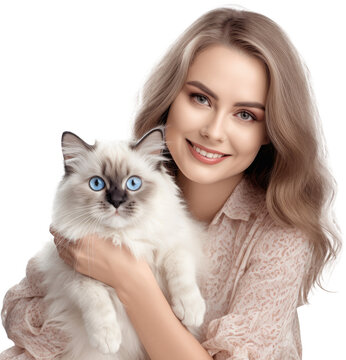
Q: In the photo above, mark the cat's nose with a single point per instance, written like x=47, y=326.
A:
x=117, y=203
x=116, y=197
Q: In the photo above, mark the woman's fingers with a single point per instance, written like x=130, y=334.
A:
x=91, y=255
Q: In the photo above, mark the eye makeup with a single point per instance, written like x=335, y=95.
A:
x=252, y=104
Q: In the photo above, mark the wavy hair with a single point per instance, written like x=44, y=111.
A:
x=292, y=168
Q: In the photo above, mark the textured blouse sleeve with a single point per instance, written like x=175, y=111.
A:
x=23, y=319
x=262, y=309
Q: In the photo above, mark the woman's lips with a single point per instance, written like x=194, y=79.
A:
x=202, y=158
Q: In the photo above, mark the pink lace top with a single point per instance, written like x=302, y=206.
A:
x=252, y=291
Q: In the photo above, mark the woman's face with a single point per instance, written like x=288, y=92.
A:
x=215, y=126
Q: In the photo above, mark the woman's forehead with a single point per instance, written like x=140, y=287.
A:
x=230, y=71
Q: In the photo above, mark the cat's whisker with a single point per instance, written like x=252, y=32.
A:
x=73, y=219
x=78, y=209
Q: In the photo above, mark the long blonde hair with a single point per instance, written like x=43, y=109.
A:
x=292, y=169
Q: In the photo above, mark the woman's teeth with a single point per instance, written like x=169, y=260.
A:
x=207, y=154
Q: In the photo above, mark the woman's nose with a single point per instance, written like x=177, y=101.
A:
x=214, y=130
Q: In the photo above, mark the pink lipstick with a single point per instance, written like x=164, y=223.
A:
x=205, y=155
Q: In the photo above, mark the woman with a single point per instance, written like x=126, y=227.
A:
x=245, y=142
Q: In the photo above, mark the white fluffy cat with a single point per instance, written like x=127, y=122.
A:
x=120, y=190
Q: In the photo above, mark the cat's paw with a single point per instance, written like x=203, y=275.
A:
x=106, y=339
x=190, y=309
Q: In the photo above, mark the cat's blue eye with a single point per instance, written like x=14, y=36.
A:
x=96, y=183
x=134, y=183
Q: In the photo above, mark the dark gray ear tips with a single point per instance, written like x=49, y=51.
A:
x=70, y=139
x=158, y=133
x=67, y=134
x=70, y=144
x=151, y=142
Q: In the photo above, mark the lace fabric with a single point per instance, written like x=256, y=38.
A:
x=23, y=318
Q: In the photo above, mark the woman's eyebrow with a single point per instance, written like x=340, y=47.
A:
x=203, y=88
x=212, y=94
x=252, y=104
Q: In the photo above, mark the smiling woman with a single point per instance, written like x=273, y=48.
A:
x=234, y=85
x=245, y=147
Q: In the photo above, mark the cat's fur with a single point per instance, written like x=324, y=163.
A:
x=152, y=221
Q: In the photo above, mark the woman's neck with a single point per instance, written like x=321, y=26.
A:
x=205, y=200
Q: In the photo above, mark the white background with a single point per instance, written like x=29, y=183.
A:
x=79, y=65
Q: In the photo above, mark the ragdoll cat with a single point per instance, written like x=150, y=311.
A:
x=120, y=190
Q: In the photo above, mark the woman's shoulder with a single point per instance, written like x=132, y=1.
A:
x=275, y=238
x=259, y=231
x=281, y=243
x=274, y=232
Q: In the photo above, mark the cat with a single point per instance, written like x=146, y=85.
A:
x=120, y=190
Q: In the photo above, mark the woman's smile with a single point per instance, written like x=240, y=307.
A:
x=205, y=155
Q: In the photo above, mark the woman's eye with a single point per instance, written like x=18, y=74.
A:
x=96, y=183
x=244, y=115
x=200, y=99
x=134, y=183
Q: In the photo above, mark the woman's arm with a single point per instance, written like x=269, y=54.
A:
x=161, y=333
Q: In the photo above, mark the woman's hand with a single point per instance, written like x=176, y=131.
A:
x=100, y=259
x=159, y=330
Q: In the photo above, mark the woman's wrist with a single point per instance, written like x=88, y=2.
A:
x=134, y=282
x=159, y=330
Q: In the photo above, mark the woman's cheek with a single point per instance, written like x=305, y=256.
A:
x=187, y=118
x=248, y=140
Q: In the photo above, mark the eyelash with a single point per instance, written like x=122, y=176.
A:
x=193, y=95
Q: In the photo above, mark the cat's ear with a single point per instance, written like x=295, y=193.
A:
x=73, y=147
x=152, y=142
